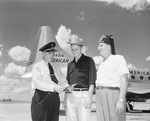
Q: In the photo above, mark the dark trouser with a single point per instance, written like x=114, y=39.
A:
x=45, y=106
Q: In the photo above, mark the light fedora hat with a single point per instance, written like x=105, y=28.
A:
x=77, y=41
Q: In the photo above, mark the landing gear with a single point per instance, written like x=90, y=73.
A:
x=129, y=107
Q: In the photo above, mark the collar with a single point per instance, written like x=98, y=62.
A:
x=108, y=57
x=82, y=56
x=45, y=62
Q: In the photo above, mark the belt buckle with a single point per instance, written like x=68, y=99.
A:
x=79, y=89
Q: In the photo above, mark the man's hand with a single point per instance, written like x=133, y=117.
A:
x=120, y=106
x=88, y=102
x=58, y=88
x=69, y=88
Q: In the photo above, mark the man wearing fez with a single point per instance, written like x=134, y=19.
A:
x=111, y=83
x=48, y=81
x=81, y=74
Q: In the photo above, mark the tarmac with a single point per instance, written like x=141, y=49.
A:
x=20, y=111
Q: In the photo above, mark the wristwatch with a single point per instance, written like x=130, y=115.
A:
x=121, y=100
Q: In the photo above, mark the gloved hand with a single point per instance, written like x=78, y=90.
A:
x=58, y=88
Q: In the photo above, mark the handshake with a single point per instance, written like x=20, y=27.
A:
x=67, y=89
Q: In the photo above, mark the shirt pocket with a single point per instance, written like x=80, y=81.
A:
x=82, y=73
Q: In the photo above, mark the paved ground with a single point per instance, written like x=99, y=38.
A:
x=20, y=111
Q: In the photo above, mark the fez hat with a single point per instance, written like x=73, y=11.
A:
x=108, y=39
x=48, y=47
x=77, y=41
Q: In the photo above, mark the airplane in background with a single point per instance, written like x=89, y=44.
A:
x=46, y=34
x=138, y=77
x=136, y=97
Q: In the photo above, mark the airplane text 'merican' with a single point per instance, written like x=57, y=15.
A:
x=134, y=72
x=61, y=60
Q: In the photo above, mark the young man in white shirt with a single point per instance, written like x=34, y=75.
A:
x=111, y=83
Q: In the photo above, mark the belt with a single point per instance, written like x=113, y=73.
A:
x=80, y=89
x=106, y=87
x=40, y=91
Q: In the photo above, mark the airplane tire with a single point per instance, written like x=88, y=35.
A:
x=131, y=107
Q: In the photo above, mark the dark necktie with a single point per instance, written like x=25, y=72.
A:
x=53, y=77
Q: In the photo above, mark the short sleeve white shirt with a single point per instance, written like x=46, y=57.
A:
x=110, y=71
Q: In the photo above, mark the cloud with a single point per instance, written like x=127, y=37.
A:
x=1, y=53
x=134, y=5
x=64, y=36
x=21, y=88
x=81, y=15
x=130, y=66
x=1, y=65
x=1, y=46
x=19, y=53
x=13, y=70
x=1, y=49
x=148, y=58
x=13, y=85
x=98, y=59
x=4, y=80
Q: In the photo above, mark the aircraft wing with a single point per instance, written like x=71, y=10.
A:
x=137, y=97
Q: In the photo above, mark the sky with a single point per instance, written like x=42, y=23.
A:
x=127, y=20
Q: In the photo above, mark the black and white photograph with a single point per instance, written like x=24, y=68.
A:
x=74, y=60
